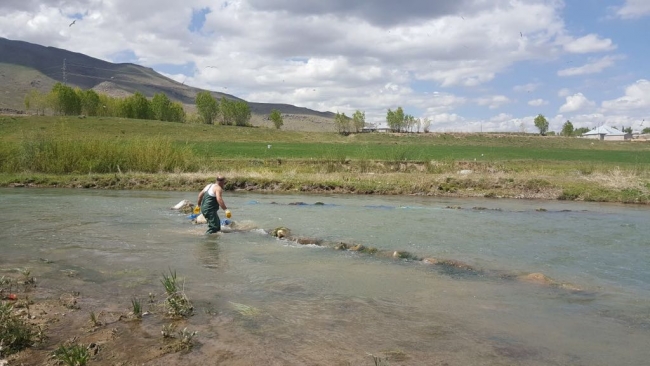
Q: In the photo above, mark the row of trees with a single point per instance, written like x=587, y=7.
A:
x=65, y=100
x=398, y=121
x=345, y=125
x=223, y=111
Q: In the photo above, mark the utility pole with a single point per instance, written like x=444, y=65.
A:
x=64, y=75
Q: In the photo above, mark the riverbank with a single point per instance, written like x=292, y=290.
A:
x=114, y=153
x=616, y=185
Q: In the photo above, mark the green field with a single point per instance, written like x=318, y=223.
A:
x=499, y=164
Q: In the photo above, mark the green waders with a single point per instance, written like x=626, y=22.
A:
x=209, y=208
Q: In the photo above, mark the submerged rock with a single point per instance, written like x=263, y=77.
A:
x=184, y=206
x=341, y=246
x=280, y=232
x=307, y=241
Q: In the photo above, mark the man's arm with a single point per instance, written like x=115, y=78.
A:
x=218, y=192
x=200, y=198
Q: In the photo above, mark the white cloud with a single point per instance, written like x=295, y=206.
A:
x=575, y=103
x=589, y=43
x=636, y=98
x=634, y=9
x=593, y=67
x=530, y=87
x=493, y=102
x=564, y=92
x=501, y=117
x=537, y=102
x=336, y=55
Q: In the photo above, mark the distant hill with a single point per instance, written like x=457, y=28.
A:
x=24, y=66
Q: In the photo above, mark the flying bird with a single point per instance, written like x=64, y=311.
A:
x=73, y=22
x=521, y=34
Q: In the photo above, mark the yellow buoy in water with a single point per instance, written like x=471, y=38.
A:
x=228, y=214
x=197, y=210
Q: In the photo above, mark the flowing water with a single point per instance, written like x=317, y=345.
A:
x=295, y=304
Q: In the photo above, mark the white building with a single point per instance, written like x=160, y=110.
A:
x=607, y=133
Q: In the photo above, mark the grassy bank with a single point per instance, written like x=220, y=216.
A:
x=130, y=154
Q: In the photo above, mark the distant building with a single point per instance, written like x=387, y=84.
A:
x=607, y=133
x=375, y=129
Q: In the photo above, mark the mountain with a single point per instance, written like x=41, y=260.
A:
x=24, y=66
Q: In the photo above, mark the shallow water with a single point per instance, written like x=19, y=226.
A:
x=307, y=305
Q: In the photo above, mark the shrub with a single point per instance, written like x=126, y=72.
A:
x=15, y=333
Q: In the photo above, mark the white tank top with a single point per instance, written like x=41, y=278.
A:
x=207, y=189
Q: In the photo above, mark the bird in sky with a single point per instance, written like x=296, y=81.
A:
x=73, y=22
x=521, y=34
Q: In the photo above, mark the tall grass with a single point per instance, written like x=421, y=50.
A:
x=65, y=154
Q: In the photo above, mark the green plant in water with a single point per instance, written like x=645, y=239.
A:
x=73, y=355
x=185, y=338
x=245, y=310
x=168, y=330
x=94, y=320
x=169, y=282
x=137, y=308
x=379, y=361
x=27, y=278
x=177, y=303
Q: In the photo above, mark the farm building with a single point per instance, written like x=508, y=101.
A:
x=607, y=133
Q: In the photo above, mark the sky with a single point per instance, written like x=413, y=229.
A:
x=465, y=65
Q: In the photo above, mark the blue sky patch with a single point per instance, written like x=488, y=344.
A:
x=198, y=19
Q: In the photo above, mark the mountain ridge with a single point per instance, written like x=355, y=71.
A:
x=88, y=72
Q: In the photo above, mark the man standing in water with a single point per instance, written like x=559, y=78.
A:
x=210, y=199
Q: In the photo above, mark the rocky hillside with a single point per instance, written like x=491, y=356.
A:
x=24, y=66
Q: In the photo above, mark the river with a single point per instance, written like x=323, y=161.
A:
x=295, y=304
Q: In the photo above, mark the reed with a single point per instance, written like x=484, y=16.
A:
x=176, y=303
x=60, y=154
x=136, y=308
x=72, y=355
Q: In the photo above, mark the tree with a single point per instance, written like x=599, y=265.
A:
x=409, y=123
x=646, y=130
x=358, y=120
x=207, y=106
x=396, y=119
x=276, y=117
x=567, y=129
x=65, y=100
x=627, y=129
x=234, y=112
x=141, y=106
x=580, y=131
x=37, y=101
x=542, y=124
x=426, y=125
x=176, y=112
x=342, y=123
x=90, y=102
x=242, y=114
x=161, y=107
